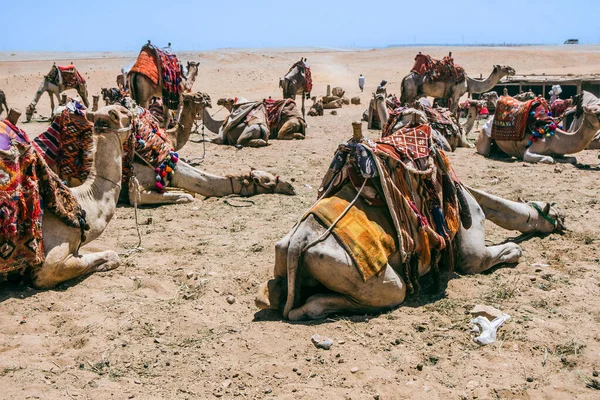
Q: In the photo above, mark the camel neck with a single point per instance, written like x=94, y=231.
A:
x=99, y=194
x=482, y=86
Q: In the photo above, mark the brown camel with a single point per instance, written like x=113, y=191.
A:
x=142, y=88
x=298, y=80
x=415, y=85
x=55, y=83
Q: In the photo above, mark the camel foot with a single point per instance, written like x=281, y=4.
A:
x=112, y=261
x=272, y=294
x=256, y=143
x=566, y=160
x=321, y=305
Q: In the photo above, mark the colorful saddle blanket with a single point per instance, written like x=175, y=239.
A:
x=438, y=70
x=443, y=121
x=27, y=186
x=68, y=145
x=513, y=118
x=161, y=66
x=69, y=76
x=151, y=147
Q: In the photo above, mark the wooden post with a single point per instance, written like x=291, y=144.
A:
x=544, y=89
x=95, y=100
x=328, y=90
x=13, y=116
x=505, y=91
x=63, y=100
x=357, y=131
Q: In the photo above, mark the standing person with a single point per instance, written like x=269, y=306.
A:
x=361, y=82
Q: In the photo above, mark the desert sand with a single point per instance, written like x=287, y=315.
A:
x=159, y=326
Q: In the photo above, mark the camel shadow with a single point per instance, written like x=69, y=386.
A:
x=20, y=287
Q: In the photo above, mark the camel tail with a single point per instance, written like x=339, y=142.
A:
x=293, y=262
x=463, y=205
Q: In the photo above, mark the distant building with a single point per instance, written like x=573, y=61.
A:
x=572, y=41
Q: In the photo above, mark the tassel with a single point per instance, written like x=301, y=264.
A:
x=438, y=219
x=425, y=249
x=451, y=218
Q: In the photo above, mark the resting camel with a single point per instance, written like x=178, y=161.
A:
x=547, y=150
x=3, y=102
x=194, y=180
x=415, y=116
x=414, y=86
x=288, y=125
x=143, y=89
x=98, y=196
x=54, y=87
x=327, y=268
x=298, y=80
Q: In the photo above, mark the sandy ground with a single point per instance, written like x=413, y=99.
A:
x=160, y=326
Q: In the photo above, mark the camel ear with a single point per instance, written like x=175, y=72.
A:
x=546, y=209
x=114, y=115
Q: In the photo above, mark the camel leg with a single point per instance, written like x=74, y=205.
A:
x=289, y=131
x=473, y=255
x=53, y=273
x=322, y=304
x=170, y=197
x=52, y=102
x=272, y=294
x=82, y=90
x=303, y=113
x=566, y=160
x=248, y=137
x=531, y=157
x=483, y=144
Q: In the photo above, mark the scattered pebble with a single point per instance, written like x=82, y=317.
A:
x=341, y=341
x=540, y=265
x=226, y=383
x=354, y=370
x=190, y=274
x=321, y=342
x=529, y=379
x=268, y=390
x=420, y=367
x=230, y=299
x=279, y=376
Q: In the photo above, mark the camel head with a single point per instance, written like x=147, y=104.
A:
x=504, y=69
x=199, y=101
x=552, y=218
x=227, y=102
x=192, y=67
x=592, y=115
x=29, y=112
x=271, y=183
x=114, y=117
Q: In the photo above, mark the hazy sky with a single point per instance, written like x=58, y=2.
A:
x=112, y=25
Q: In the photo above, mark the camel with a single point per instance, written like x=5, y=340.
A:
x=143, y=89
x=307, y=259
x=3, y=102
x=414, y=86
x=546, y=150
x=287, y=124
x=472, y=114
x=194, y=180
x=415, y=116
x=98, y=197
x=298, y=80
x=54, y=84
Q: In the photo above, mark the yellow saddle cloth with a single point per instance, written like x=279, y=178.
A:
x=365, y=240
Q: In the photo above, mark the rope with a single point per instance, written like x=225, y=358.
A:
x=545, y=216
x=244, y=202
x=334, y=223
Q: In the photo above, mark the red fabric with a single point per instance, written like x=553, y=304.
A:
x=412, y=143
x=309, y=82
x=559, y=107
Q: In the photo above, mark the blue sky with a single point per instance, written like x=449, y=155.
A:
x=109, y=25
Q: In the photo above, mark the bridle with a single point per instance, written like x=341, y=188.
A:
x=252, y=181
x=544, y=215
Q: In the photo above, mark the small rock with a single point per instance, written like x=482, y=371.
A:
x=156, y=340
x=529, y=379
x=268, y=390
x=539, y=265
x=230, y=299
x=420, y=367
x=354, y=370
x=279, y=376
x=137, y=382
x=489, y=312
x=532, y=278
x=341, y=341
x=334, y=112
x=376, y=397
x=226, y=383
x=595, y=373
x=321, y=342
x=190, y=274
